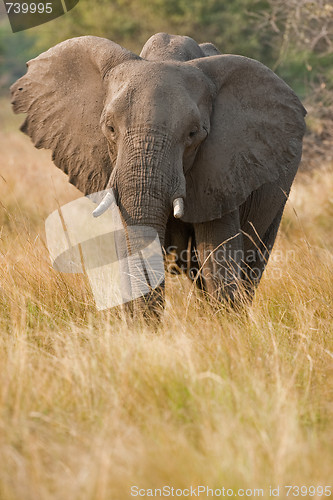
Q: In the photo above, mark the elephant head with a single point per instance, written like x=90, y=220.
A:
x=169, y=130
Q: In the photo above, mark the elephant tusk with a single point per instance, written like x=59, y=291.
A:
x=104, y=205
x=178, y=208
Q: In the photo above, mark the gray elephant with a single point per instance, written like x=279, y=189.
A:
x=203, y=147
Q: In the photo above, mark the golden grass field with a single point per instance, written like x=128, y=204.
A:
x=90, y=406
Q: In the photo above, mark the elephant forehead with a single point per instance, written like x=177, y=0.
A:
x=157, y=78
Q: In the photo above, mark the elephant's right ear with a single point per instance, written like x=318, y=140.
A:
x=256, y=131
x=63, y=95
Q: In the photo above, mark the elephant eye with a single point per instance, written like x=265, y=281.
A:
x=111, y=128
x=193, y=133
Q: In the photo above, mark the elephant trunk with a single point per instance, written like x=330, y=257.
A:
x=142, y=206
x=148, y=180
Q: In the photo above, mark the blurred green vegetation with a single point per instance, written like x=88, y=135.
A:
x=293, y=37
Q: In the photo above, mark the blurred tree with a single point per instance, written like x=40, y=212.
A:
x=15, y=50
x=302, y=33
x=294, y=37
x=230, y=25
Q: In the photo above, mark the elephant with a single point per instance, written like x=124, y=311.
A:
x=201, y=146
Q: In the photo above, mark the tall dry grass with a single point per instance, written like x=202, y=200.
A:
x=90, y=406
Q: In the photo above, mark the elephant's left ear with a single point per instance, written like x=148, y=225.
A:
x=257, y=126
x=63, y=94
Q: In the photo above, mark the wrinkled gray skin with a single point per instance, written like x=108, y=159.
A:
x=223, y=132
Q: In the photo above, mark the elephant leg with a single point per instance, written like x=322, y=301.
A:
x=219, y=245
x=180, y=250
x=257, y=250
x=178, y=236
x=260, y=217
